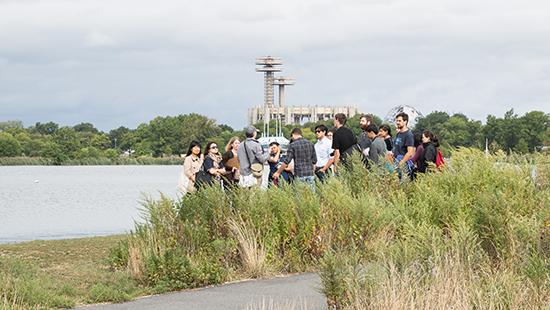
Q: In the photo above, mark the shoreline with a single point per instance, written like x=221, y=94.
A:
x=99, y=161
x=7, y=241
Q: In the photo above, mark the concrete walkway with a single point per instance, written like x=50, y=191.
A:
x=297, y=292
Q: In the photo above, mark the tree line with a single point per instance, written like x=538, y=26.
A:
x=170, y=135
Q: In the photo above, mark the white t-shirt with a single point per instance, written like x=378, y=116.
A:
x=323, y=149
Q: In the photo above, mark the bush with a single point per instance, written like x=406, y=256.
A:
x=473, y=234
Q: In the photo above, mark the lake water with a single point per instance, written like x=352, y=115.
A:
x=54, y=202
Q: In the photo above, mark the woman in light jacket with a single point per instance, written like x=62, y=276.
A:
x=191, y=165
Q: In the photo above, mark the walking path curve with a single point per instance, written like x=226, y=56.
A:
x=297, y=292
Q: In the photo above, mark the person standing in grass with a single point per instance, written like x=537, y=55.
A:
x=213, y=163
x=323, y=149
x=230, y=160
x=343, y=140
x=428, y=157
x=378, y=146
x=385, y=132
x=403, y=147
x=363, y=140
x=275, y=160
x=302, y=152
x=251, y=154
x=191, y=165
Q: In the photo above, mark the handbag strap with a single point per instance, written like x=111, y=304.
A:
x=247, y=156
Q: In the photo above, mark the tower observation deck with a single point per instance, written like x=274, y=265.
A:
x=283, y=114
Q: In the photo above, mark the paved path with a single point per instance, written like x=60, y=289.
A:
x=298, y=292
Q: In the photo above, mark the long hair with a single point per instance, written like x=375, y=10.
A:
x=386, y=128
x=417, y=139
x=230, y=143
x=191, y=146
x=433, y=138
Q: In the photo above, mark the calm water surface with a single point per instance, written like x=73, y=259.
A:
x=50, y=202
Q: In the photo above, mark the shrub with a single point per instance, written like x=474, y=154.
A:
x=470, y=236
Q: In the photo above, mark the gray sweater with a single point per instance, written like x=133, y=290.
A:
x=377, y=149
x=255, y=153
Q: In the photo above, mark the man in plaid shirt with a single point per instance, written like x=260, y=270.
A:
x=303, y=153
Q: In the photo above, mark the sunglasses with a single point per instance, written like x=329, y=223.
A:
x=318, y=131
x=213, y=147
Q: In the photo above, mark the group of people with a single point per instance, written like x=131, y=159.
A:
x=242, y=163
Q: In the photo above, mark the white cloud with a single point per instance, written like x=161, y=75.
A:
x=170, y=57
x=98, y=39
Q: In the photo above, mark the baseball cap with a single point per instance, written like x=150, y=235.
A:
x=251, y=130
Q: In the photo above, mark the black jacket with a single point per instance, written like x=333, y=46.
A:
x=428, y=156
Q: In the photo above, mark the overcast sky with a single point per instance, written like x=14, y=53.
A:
x=124, y=62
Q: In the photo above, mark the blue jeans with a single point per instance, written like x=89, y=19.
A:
x=309, y=180
x=408, y=168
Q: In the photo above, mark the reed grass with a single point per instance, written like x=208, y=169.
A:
x=471, y=236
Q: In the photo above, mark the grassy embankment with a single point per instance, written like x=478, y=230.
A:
x=61, y=274
x=42, y=161
x=473, y=236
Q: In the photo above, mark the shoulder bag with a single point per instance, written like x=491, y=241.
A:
x=257, y=168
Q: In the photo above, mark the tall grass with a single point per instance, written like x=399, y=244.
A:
x=471, y=236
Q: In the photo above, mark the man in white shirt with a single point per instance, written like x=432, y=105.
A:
x=323, y=149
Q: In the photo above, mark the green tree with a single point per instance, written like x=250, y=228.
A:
x=533, y=129
x=9, y=146
x=120, y=138
x=67, y=139
x=433, y=122
x=100, y=141
x=85, y=127
x=16, y=124
x=48, y=128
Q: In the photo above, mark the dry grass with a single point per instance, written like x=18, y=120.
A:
x=135, y=263
x=272, y=305
x=450, y=284
x=251, y=252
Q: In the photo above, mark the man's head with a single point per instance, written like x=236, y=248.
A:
x=251, y=132
x=274, y=147
x=365, y=121
x=321, y=131
x=340, y=120
x=401, y=121
x=296, y=133
x=372, y=131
